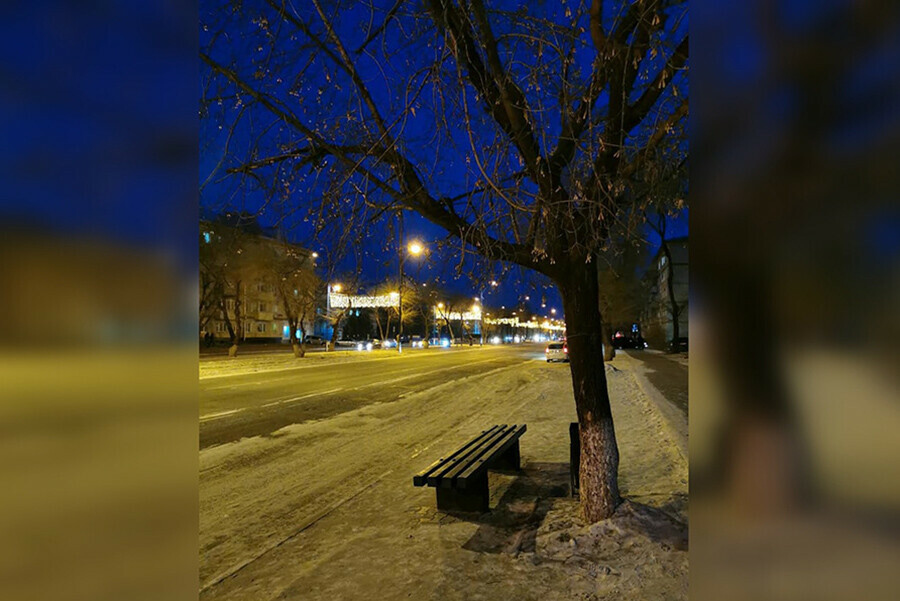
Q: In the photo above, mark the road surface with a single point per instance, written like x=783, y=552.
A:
x=234, y=407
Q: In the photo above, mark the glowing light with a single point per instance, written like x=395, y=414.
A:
x=493, y=283
x=337, y=287
x=445, y=342
x=495, y=340
x=315, y=255
x=440, y=305
x=415, y=248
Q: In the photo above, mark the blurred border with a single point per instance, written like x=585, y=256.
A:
x=795, y=274
x=98, y=359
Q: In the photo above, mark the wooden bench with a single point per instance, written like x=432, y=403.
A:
x=461, y=479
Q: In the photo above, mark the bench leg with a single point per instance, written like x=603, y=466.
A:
x=509, y=460
x=474, y=498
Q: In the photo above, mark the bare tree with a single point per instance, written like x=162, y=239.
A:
x=291, y=272
x=521, y=135
x=657, y=223
x=226, y=256
x=621, y=292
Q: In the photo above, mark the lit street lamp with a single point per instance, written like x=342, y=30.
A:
x=415, y=248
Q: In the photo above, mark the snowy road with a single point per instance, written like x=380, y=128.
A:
x=252, y=404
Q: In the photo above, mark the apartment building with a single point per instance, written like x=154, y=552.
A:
x=257, y=278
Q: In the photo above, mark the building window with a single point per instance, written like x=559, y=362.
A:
x=260, y=327
x=262, y=307
x=220, y=327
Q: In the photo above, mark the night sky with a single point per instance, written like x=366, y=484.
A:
x=220, y=192
x=99, y=115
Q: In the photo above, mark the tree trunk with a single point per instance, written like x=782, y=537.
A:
x=609, y=353
x=233, y=333
x=296, y=345
x=334, y=330
x=599, y=465
x=674, y=310
x=378, y=323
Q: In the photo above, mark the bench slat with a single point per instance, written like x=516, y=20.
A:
x=477, y=457
x=421, y=479
x=508, y=440
x=466, y=458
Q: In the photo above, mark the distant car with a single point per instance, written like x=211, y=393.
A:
x=416, y=341
x=621, y=341
x=557, y=351
x=313, y=340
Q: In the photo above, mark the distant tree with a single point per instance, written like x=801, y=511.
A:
x=657, y=222
x=227, y=253
x=621, y=292
x=525, y=136
x=290, y=270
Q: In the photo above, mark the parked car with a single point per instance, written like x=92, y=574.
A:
x=679, y=346
x=621, y=341
x=312, y=340
x=557, y=351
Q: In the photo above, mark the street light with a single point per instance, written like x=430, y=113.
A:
x=337, y=287
x=415, y=248
x=553, y=311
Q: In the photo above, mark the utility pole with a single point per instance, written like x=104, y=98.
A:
x=400, y=283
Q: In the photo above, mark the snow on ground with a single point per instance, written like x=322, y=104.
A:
x=327, y=510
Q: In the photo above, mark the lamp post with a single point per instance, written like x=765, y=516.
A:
x=415, y=248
